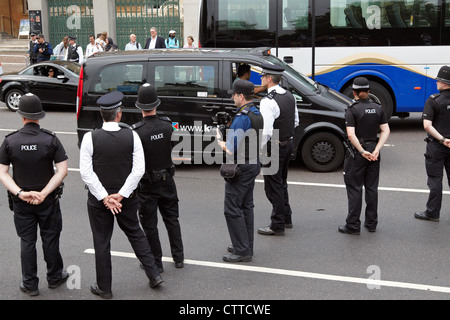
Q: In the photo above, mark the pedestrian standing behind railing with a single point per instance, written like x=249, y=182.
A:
x=190, y=43
x=43, y=49
x=93, y=47
x=171, y=41
x=60, y=50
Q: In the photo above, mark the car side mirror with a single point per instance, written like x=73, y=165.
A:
x=60, y=77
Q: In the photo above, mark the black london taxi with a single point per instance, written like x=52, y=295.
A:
x=192, y=85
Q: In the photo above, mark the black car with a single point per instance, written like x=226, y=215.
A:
x=192, y=86
x=57, y=88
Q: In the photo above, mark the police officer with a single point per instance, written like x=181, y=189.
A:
x=364, y=119
x=436, y=121
x=111, y=165
x=74, y=51
x=280, y=114
x=157, y=188
x=42, y=49
x=243, y=145
x=34, y=190
x=33, y=42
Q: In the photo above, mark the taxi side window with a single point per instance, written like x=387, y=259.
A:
x=123, y=77
x=189, y=79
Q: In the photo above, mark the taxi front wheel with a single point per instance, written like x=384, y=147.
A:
x=323, y=152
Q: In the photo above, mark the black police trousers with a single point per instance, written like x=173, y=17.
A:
x=162, y=195
x=437, y=157
x=359, y=172
x=276, y=189
x=238, y=209
x=102, y=224
x=27, y=218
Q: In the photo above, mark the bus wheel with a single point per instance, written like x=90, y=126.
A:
x=379, y=94
x=323, y=152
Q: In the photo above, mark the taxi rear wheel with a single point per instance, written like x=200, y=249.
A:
x=12, y=99
x=323, y=152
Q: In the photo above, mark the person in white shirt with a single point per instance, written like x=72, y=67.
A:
x=133, y=45
x=154, y=41
x=111, y=165
x=280, y=114
x=93, y=47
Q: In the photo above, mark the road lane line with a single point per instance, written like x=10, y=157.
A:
x=329, y=185
x=294, y=273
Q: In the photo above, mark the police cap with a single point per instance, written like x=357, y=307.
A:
x=360, y=83
x=147, y=98
x=444, y=74
x=269, y=68
x=244, y=87
x=32, y=34
x=110, y=100
x=30, y=107
x=72, y=38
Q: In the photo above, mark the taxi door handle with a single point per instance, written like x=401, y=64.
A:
x=210, y=107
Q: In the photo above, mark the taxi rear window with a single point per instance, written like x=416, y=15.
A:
x=123, y=77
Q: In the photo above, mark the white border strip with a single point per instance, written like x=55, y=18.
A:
x=293, y=273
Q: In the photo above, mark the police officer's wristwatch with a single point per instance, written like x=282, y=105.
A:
x=18, y=193
x=442, y=140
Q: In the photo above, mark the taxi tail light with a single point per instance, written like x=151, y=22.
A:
x=79, y=92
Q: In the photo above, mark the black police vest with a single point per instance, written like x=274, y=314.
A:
x=30, y=156
x=33, y=54
x=441, y=118
x=42, y=55
x=72, y=54
x=285, y=123
x=249, y=147
x=156, y=136
x=112, y=158
x=368, y=117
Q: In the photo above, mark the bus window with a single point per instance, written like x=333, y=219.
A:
x=236, y=14
x=295, y=14
x=383, y=14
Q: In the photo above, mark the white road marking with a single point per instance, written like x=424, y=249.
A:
x=294, y=273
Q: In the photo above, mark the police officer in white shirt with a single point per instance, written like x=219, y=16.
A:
x=111, y=165
x=279, y=110
x=74, y=51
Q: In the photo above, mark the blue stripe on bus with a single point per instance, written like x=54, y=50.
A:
x=401, y=81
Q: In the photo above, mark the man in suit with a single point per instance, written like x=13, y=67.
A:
x=154, y=41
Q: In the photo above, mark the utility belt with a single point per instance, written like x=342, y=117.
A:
x=153, y=176
x=432, y=139
x=55, y=195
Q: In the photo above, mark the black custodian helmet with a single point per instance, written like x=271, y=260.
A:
x=30, y=107
x=147, y=98
x=444, y=75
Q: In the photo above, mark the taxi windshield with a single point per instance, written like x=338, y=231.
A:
x=307, y=82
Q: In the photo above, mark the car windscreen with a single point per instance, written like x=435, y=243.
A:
x=307, y=82
x=75, y=68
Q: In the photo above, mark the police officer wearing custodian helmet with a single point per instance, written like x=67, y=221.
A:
x=34, y=190
x=111, y=165
x=364, y=119
x=436, y=122
x=157, y=188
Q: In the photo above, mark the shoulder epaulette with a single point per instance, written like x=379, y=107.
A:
x=124, y=125
x=353, y=103
x=48, y=131
x=138, y=125
x=165, y=118
x=9, y=134
x=434, y=96
x=271, y=94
